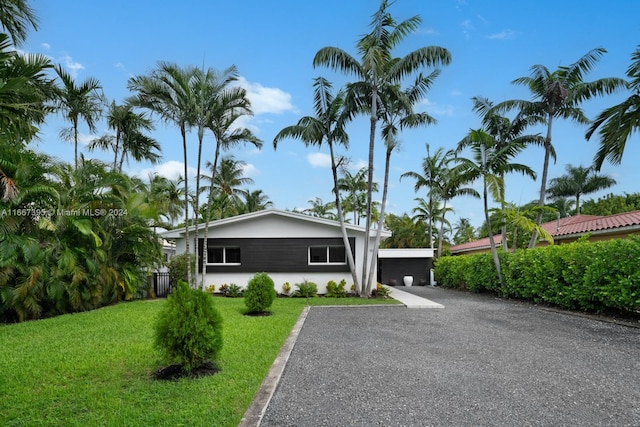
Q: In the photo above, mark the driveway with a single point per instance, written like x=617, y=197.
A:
x=480, y=361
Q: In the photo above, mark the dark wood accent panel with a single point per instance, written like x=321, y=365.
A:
x=394, y=269
x=277, y=255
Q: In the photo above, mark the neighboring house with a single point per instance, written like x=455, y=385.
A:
x=570, y=229
x=290, y=247
x=168, y=251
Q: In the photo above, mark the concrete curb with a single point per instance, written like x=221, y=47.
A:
x=254, y=414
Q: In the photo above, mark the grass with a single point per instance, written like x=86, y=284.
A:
x=95, y=368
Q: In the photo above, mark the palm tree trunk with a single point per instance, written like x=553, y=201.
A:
x=75, y=141
x=343, y=228
x=115, y=151
x=183, y=132
x=197, y=204
x=374, y=257
x=372, y=135
x=494, y=251
x=205, y=243
x=441, y=236
x=543, y=183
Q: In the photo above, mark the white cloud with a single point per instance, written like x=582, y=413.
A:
x=71, y=65
x=45, y=46
x=319, y=160
x=171, y=170
x=266, y=100
x=249, y=170
x=502, y=35
x=438, y=110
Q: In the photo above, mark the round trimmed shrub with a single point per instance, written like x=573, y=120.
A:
x=189, y=328
x=260, y=293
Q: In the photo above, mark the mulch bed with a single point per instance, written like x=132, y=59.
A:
x=175, y=372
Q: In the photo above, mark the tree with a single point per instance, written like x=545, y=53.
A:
x=355, y=185
x=167, y=92
x=406, y=232
x=167, y=194
x=616, y=124
x=255, y=201
x=327, y=126
x=24, y=94
x=558, y=95
x=577, y=181
x=320, y=209
x=78, y=102
x=490, y=164
x=463, y=231
x=15, y=18
x=433, y=169
x=228, y=104
x=129, y=139
x=376, y=71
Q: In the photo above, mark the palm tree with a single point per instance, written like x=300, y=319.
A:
x=15, y=17
x=490, y=164
x=558, y=95
x=227, y=180
x=355, y=185
x=464, y=232
x=255, y=201
x=320, y=209
x=563, y=205
x=505, y=132
x=577, y=181
x=228, y=104
x=24, y=94
x=376, y=71
x=167, y=194
x=327, y=126
x=406, y=232
x=433, y=169
x=616, y=124
x=167, y=91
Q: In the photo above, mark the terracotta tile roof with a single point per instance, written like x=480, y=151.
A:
x=569, y=226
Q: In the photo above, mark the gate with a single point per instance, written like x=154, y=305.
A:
x=161, y=284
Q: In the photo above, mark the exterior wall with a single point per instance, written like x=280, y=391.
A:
x=394, y=269
x=278, y=232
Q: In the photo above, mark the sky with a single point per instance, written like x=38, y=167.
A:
x=272, y=43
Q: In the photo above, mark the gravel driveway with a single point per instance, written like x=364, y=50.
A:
x=480, y=361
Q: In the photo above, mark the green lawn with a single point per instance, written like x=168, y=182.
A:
x=95, y=368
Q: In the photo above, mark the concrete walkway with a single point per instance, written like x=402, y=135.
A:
x=411, y=300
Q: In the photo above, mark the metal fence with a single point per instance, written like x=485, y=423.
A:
x=161, y=284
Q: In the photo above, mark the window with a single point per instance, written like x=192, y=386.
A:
x=327, y=255
x=223, y=255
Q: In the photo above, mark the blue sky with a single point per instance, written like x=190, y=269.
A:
x=273, y=44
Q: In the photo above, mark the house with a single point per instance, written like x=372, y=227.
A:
x=570, y=229
x=290, y=247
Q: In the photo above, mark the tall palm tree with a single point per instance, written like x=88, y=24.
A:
x=15, y=18
x=433, y=169
x=616, y=124
x=577, y=181
x=167, y=194
x=228, y=104
x=167, y=91
x=490, y=163
x=558, y=95
x=326, y=127
x=376, y=71
x=504, y=132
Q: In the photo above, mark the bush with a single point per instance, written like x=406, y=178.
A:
x=380, y=291
x=306, y=290
x=286, y=288
x=233, y=291
x=260, y=293
x=337, y=290
x=189, y=328
x=178, y=268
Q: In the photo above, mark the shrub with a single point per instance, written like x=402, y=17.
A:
x=260, y=293
x=178, y=268
x=189, y=328
x=223, y=289
x=211, y=289
x=233, y=291
x=286, y=288
x=306, y=289
x=380, y=291
x=336, y=290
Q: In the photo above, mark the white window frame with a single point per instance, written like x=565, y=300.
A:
x=224, y=256
x=328, y=258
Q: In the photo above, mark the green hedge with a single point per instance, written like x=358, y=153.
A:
x=580, y=275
